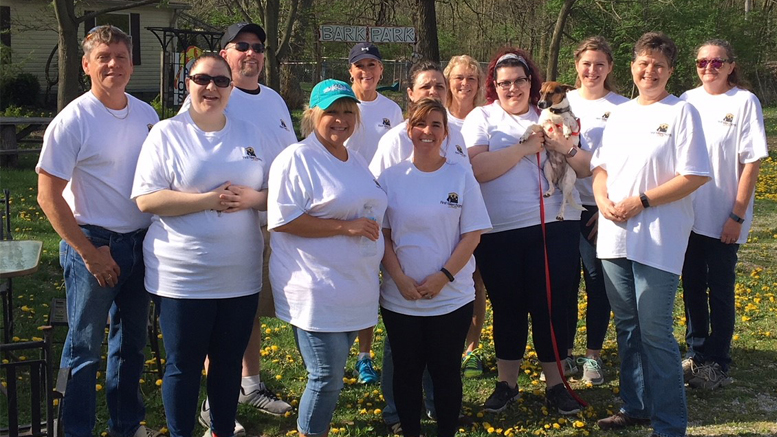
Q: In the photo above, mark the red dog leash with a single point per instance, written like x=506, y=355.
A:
x=548, y=289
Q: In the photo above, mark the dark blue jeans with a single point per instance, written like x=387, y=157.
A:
x=709, y=265
x=88, y=307
x=192, y=329
x=597, y=315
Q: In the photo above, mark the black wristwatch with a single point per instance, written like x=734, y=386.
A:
x=736, y=218
x=644, y=199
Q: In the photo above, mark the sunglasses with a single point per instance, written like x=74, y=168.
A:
x=93, y=31
x=714, y=63
x=243, y=46
x=205, y=79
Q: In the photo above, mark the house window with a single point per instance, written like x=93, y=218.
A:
x=5, y=34
x=128, y=22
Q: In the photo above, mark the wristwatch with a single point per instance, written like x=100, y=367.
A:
x=644, y=199
x=572, y=152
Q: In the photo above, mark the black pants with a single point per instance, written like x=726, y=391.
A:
x=512, y=264
x=433, y=342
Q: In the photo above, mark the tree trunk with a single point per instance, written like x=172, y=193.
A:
x=555, y=42
x=67, y=87
x=428, y=46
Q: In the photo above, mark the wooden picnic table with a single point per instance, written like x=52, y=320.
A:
x=10, y=139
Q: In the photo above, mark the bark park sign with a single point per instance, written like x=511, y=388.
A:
x=335, y=32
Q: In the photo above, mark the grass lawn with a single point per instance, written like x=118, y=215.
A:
x=746, y=408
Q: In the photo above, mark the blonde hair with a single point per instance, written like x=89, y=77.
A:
x=312, y=116
x=471, y=64
x=108, y=35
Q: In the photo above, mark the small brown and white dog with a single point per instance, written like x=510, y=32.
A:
x=556, y=114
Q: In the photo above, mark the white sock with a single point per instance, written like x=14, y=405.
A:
x=363, y=355
x=251, y=383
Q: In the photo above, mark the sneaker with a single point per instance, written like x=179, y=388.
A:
x=204, y=419
x=620, y=420
x=395, y=428
x=559, y=398
x=264, y=400
x=593, y=370
x=690, y=366
x=569, y=366
x=472, y=365
x=709, y=377
x=502, y=396
x=366, y=370
x=142, y=431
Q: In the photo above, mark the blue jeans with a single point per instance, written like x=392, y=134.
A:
x=324, y=354
x=709, y=264
x=390, y=415
x=192, y=329
x=597, y=316
x=651, y=378
x=88, y=307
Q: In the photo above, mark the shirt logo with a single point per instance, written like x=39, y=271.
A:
x=728, y=120
x=386, y=123
x=452, y=201
x=605, y=116
x=459, y=150
x=250, y=153
x=365, y=49
x=662, y=130
x=149, y=126
x=283, y=125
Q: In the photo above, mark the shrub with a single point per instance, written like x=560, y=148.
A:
x=20, y=90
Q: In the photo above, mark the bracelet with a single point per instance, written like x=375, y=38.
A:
x=736, y=218
x=447, y=273
x=644, y=199
x=572, y=152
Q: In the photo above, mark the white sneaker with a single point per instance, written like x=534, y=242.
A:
x=204, y=419
x=146, y=432
x=569, y=366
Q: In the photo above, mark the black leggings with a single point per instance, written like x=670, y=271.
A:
x=512, y=264
x=433, y=342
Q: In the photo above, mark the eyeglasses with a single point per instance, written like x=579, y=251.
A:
x=714, y=63
x=243, y=46
x=205, y=79
x=507, y=84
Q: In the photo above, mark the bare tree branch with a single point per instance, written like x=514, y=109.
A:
x=114, y=9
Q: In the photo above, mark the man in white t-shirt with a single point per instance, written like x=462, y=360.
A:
x=243, y=48
x=85, y=175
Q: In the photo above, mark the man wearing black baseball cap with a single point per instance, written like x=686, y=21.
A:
x=243, y=49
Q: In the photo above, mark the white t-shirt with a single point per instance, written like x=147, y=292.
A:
x=378, y=117
x=593, y=115
x=323, y=284
x=267, y=111
x=95, y=150
x=734, y=131
x=396, y=146
x=643, y=147
x=427, y=213
x=513, y=199
x=455, y=123
x=206, y=254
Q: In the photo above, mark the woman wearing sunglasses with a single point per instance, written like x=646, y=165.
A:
x=203, y=176
x=723, y=211
x=511, y=258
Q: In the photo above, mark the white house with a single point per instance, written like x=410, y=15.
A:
x=29, y=28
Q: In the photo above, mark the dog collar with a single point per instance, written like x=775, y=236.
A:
x=558, y=111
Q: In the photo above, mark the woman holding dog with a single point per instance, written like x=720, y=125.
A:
x=466, y=91
x=736, y=142
x=651, y=159
x=433, y=223
x=592, y=102
x=511, y=257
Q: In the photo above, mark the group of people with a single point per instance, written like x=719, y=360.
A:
x=446, y=204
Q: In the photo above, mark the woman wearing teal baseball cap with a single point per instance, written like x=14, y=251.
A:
x=325, y=208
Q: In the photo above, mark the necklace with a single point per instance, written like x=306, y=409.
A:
x=113, y=113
